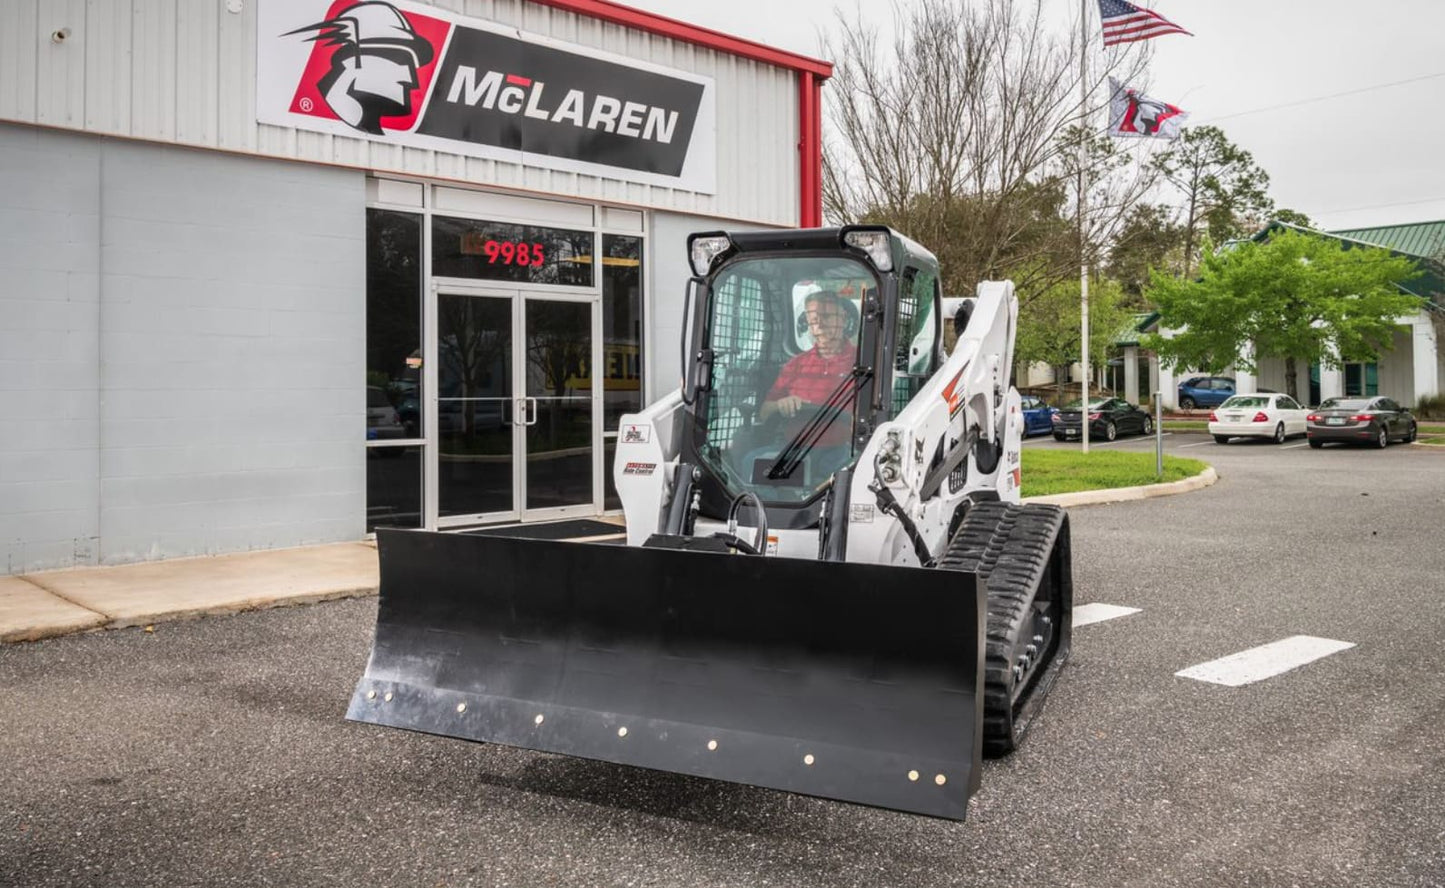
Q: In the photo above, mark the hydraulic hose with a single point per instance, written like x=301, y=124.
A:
x=760, y=541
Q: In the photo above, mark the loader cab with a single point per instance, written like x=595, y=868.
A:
x=800, y=343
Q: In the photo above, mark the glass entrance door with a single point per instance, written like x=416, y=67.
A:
x=475, y=408
x=516, y=425
x=561, y=432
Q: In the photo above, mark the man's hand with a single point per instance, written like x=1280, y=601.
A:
x=789, y=405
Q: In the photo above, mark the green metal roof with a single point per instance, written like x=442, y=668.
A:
x=1422, y=239
x=1139, y=323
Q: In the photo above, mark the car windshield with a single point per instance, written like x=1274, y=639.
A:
x=1344, y=404
x=1246, y=401
x=784, y=335
x=1094, y=403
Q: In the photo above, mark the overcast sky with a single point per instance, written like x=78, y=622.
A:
x=1375, y=157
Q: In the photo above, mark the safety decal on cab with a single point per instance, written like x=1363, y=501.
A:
x=636, y=434
x=862, y=514
x=639, y=468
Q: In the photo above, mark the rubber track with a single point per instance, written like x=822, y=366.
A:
x=1008, y=547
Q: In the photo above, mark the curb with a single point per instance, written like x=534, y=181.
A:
x=1125, y=494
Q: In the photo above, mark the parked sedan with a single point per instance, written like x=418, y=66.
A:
x=1261, y=415
x=1038, y=416
x=1374, y=421
x=1204, y=391
x=1108, y=419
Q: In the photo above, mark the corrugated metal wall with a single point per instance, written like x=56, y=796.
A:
x=184, y=71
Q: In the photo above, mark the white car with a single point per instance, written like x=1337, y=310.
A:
x=1263, y=415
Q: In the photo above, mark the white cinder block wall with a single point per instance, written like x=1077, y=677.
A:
x=197, y=387
x=49, y=349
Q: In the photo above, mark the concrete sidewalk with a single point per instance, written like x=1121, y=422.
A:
x=41, y=605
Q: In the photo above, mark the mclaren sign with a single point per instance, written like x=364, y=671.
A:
x=421, y=77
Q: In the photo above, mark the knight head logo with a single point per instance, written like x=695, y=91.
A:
x=1147, y=113
x=374, y=63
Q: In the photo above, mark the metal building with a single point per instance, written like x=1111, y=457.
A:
x=277, y=272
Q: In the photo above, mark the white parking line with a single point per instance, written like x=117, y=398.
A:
x=1265, y=661
x=1200, y=444
x=1094, y=612
x=1293, y=446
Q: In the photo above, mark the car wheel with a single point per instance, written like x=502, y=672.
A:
x=1279, y=434
x=1221, y=439
x=1414, y=433
x=1316, y=445
x=1059, y=438
x=1148, y=426
x=1186, y=403
x=1383, y=440
x=1111, y=431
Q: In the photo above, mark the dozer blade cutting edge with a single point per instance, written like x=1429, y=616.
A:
x=852, y=682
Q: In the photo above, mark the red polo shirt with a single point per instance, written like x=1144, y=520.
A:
x=813, y=378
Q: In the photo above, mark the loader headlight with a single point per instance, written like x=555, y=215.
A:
x=875, y=243
x=702, y=249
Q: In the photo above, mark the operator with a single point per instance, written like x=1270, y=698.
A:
x=809, y=378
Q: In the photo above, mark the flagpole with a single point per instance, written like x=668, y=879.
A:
x=1083, y=225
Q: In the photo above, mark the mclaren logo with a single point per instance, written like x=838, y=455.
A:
x=513, y=94
x=374, y=62
x=423, y=77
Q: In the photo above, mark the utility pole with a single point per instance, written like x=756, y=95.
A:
x=1083, y=224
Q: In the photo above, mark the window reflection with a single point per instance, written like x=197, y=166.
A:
x=621, y=327
x=393, y=317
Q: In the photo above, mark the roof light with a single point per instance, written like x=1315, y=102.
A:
x=703, y=249
x=873, y=242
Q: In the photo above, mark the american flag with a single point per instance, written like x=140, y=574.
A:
x=1126, y=23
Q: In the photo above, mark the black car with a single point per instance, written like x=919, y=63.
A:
x=1108, y=419
x=1373, y=421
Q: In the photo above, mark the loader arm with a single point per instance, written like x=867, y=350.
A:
x=958, y=440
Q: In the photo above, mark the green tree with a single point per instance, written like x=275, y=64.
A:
x=1225, y=192
x=1300, y=297
x=1051, y=326
x=1149, y=239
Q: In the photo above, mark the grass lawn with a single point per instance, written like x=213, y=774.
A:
x=1065, y=471
x=1185, y=425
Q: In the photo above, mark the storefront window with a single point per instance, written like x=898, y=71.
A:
x=393, y=368
x=621, y=340
x=503, y=251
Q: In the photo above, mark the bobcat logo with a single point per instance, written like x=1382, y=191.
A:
x=374, y=66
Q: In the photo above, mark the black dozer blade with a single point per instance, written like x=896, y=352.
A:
x=861, y=683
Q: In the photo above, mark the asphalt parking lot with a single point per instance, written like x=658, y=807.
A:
x=214, y=752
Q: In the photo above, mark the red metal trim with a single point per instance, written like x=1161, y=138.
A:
x=806, y=186
x=816, y=200
x=810, y=151
x=618, y=14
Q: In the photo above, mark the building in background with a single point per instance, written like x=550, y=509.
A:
x=278, y=272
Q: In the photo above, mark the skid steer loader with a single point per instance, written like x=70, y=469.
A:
x=828, y=587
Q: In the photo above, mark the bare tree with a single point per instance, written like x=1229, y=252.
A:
x=963, y=134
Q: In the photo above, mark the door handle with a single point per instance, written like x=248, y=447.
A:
x=533, y=420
